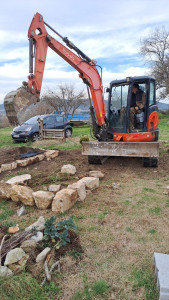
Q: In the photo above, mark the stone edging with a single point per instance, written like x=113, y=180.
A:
x=48, y=154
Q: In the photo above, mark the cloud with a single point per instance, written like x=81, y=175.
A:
x=108, y=32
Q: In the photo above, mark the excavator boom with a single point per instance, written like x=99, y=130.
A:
x=41, y=40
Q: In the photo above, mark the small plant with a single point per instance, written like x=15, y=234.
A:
x=84, y=139
x=59, y=231
x=152, y=231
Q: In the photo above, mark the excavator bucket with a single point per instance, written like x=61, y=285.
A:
x=19, y=106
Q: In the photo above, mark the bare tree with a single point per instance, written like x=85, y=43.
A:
x=155, y=50
x=66, y=99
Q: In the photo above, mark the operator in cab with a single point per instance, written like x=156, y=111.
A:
x=138, y=103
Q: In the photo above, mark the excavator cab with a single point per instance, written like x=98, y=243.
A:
x=126, y=122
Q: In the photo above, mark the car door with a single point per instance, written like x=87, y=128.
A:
x=49, y=122
x=60, y=122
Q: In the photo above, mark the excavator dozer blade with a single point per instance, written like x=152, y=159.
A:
x=95, y=150
x=19, y=106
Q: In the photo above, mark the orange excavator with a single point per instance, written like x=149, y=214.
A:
x=113, y=132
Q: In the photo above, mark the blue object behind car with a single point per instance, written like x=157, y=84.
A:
x=30, y=129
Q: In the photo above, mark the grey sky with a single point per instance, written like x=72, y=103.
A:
x=107, y=31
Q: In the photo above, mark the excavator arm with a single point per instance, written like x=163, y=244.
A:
x=40, y=40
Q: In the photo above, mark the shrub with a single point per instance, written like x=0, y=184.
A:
x=84, y=139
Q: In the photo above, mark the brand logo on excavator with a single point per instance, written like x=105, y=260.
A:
x=70, y=56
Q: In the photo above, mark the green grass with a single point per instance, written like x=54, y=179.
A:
x=163, y=127
x=81, y=131
x=145, y=278
x=5, y=213
x=98, y=289
x=25, y=287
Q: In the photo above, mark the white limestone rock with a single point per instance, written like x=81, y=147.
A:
x=37, y=237
x=13, y=256
x=54, y=188
x=43, y=199
x=5, y=191
x=91, y=183
x=81, y=190
x=64, y=200
x=23, y=194
x=21, y=179
x=42, y=255
x=5, y=271
x=39, y=225
x=69, y=169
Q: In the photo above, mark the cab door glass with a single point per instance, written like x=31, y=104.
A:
x=152, y=93
x=118, y=106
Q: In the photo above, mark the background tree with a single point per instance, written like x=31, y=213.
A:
x=155, y=50
x=66, y=99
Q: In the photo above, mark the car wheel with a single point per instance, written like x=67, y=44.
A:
x=68, y=132
x=35, y=137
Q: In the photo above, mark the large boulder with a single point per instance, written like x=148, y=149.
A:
x=5, y=191
x=23, y=194
x=43, y=199
x=16, y=103
x=80, y=188
x=64, y=200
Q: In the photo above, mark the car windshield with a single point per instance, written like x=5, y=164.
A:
x=32, y=120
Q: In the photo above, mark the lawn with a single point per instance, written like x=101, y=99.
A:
x=119, y=228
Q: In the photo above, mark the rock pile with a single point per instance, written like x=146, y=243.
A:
x=59, y=200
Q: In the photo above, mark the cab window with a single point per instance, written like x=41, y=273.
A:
x=152, y=93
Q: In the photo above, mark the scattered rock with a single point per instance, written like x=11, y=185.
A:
x=23, y=194
x=64, y=200
x=21, y=211
x=81, y=190
x=91, y=183
x=69, y=169
x=115, y=185
x=29, y=246
x=54, y=188
x=21, y=179
x=14, y=256
x=97, y=174
x=13, y=229
x=39, y=224
x=20, y=265
x=5, y=191
x=43, y=199
x=41, y=256
x=37, y=237
x=5, y=272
